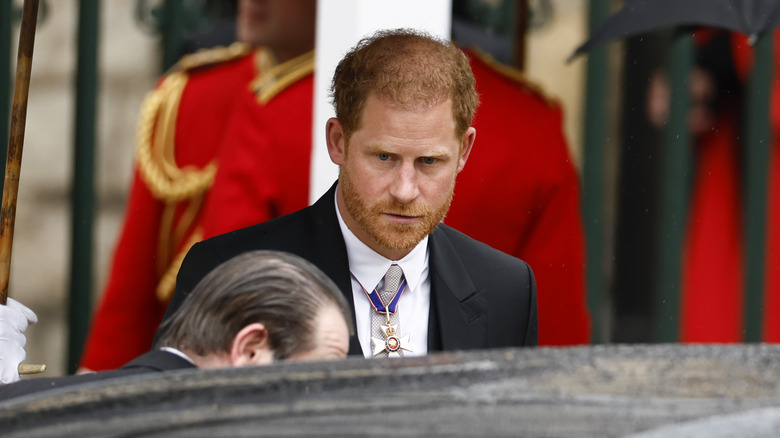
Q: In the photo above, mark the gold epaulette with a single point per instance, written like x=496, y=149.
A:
x=214, y=55
x=155, y=153
x=515, y=75
x=273, y=77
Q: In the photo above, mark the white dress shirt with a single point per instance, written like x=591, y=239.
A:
x=368, y=268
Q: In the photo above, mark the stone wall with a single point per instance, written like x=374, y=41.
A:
x=548, y=48
x=128, y=66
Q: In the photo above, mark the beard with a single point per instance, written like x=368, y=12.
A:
x=393, y=236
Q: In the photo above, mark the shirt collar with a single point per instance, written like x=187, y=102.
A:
x=179, y=353
x=369, y=267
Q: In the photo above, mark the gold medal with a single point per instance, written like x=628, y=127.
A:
x=393, y=343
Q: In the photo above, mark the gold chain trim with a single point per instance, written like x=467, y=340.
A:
x=514, y=74
x=155, y=152
x=164, y=178
x=167, y=284
x=155, y=155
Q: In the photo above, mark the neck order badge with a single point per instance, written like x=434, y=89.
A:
x=385, y=339
x=392, y=344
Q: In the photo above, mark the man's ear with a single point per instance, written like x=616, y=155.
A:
x=251, y=346
x=466, y=145
x=334, y=133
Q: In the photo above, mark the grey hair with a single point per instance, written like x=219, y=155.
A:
x=281, y=290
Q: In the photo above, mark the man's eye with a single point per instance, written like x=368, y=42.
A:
x=384, y=157
x=429, y=160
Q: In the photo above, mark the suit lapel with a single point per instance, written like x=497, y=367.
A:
x=460, y=309
x=329, y=252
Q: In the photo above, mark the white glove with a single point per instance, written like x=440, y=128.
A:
x=14, y=319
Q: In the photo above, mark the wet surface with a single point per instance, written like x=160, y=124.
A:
x=553, y=392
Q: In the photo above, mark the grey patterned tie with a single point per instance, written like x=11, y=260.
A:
x=386, y=337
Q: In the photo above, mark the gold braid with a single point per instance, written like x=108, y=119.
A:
x=156, y=161
x=167, y=284
x=156, y=157
x=155, y=148
x=166, y=181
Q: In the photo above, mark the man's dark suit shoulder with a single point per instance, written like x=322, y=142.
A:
x=271, y=235
x=265, y=235
x=290, y=233
x=503, y=283
x=153, y=361
x=483, y=261
x=475, y=283
x=479, y=250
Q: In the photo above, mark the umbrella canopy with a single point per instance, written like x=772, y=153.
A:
x=750, y=17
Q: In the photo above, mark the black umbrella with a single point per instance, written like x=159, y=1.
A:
x=750, y=17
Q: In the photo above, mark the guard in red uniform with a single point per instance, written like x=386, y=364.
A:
x=520, y=193
x=168, y=187
x=182, y=128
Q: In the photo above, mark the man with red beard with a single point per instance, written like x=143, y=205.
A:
x=404, y=107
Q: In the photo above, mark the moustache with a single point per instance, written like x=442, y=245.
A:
x=400, y=209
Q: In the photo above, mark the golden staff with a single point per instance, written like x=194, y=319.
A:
x=13, y=162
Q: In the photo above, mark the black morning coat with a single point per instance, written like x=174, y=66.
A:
x=153, y=361
x=480, y=297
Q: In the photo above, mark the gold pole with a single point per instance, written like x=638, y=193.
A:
x=13, y=162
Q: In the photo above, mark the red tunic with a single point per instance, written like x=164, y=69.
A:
x=519, y=191
x=129, y=312
x=264, y=170
x=771, y=322
x=712, y=294
x=712, y=279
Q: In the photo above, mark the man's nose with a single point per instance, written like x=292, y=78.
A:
x=404, y=187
